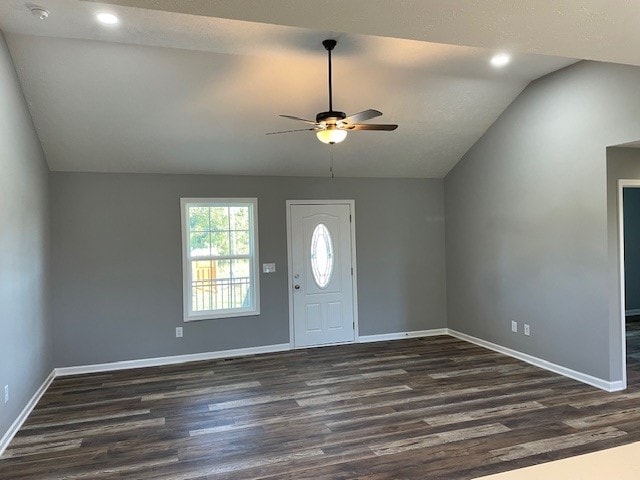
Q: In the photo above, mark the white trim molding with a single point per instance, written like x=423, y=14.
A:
x=622, y=183
x=170, y=360
x=188, y=314
x=400, y=335
x=26, y=411
x=544, y=364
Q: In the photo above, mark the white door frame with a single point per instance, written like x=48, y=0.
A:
x=354, y=277
x=622, y=184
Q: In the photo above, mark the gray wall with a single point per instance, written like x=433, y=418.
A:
x=117, y=261
x=526, y=222
x=25, y=353
x=632, y=248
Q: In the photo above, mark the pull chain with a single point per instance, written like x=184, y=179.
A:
x=331, y=162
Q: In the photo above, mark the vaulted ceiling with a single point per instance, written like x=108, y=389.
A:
x=192, y=87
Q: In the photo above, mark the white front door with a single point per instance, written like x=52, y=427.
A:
x=322, y=286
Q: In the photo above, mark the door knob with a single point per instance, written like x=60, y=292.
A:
x=297, y=287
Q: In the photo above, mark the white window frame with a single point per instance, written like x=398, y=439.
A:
x=254, y=309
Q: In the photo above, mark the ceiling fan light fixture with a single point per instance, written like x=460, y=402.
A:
x=331, y=135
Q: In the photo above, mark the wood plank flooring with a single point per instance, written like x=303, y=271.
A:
x=425, y=408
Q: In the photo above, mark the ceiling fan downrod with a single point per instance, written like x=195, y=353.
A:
x=331, y=117
x=329, y=45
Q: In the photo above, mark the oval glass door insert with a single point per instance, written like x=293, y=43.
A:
x=321, y=255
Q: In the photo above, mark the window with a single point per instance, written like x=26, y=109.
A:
x=220, y=258
x=321, y=255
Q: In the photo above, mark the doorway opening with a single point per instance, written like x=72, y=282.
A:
x=629, y=237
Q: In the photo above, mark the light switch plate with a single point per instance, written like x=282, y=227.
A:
x=179, y=332
x=268, y=267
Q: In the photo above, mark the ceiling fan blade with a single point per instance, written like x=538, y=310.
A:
x=371, y=126
x=291, y=117
x=362, y=116
x=289, y=131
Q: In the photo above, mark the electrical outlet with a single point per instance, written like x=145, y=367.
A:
x=527, y=330
x=514, y=326
x=179, y=332
x=6, y=394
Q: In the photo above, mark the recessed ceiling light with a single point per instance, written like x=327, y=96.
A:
x=41, y=13
x=107, y=18
x=500, y=59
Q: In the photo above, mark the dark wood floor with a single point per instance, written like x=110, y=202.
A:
x=414, y=409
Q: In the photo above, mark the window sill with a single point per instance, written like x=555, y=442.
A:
x=221, y=315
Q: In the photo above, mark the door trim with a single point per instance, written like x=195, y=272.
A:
x=354, y=277
x=622, y=184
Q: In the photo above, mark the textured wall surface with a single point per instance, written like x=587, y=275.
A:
x=526, y=226
x=25, y=353
x=117, y=269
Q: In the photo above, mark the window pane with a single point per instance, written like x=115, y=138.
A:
x=213, y=289
x=229, y=291
x=199, y=244
x=219, y=218
x=240, y=268
x=201, y=270
x=202, y=278
x=220, y=243
x=321, y=255
x=239, y=218
x=199, y=219
x=240, y=242
x=222, y=268
x=241, y=273
x=223, y=280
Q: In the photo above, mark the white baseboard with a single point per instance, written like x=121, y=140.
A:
x=171, y=360
x=400, y=335
x=616, y=386
x=15, y=426
x=632, y=312
x=538, y=362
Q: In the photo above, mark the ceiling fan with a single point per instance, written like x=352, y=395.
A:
x=332, y=126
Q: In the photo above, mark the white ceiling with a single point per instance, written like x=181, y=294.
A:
x=169, y=92
x=602, y=30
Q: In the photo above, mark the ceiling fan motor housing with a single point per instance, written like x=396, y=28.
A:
x=330, y=117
